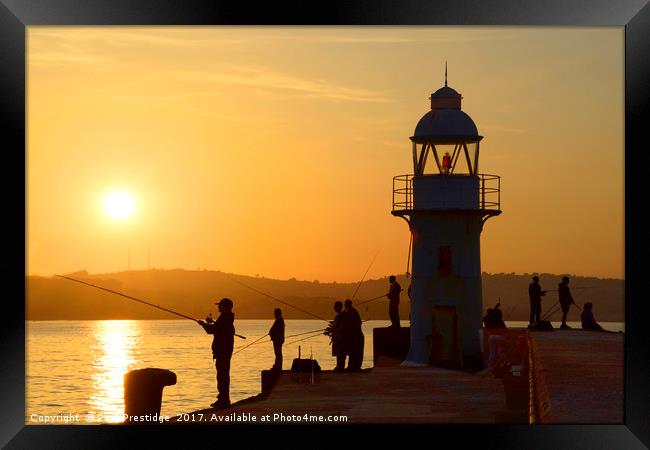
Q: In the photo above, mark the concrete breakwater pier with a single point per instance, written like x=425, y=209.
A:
x=574, y=377
x=577, y=377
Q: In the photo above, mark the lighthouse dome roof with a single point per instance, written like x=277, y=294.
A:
x=445, y=123
x=444, y=92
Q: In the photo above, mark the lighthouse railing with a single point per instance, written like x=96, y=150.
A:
x=489, y=194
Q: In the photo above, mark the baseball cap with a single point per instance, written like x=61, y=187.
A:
x=225, y=302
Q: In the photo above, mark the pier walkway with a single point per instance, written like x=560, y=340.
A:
x=386, y=395
x=578, y=376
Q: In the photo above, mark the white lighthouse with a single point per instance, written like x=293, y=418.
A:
x=446, y=202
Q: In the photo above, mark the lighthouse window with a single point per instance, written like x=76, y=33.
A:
x=444, y=260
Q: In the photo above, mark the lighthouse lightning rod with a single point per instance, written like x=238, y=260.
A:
x=135, y=299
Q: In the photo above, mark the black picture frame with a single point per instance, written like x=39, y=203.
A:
x=16, y=15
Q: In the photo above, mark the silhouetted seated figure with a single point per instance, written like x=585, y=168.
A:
x=494, y=318
x=496, y=342
x=588, y=319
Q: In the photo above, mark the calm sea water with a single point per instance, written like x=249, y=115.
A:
x=78, y=367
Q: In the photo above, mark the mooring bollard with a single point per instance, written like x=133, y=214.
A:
x=143, y=390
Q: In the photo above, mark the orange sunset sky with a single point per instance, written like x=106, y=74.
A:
x=271, y=150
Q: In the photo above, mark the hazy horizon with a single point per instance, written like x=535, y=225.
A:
x=193, y=293
x=375, y=277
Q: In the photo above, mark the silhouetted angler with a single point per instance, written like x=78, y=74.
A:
x=535, y=294
x=393, y=301
x=277, y=337
x=565, y=300
x=353, y=336
x=335, y=331
x=494, y=318
x=223, y=330
x=588, y=319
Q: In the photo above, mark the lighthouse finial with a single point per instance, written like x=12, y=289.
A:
x=445, y=73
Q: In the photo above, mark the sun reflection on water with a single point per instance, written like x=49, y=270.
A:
x=114, y=354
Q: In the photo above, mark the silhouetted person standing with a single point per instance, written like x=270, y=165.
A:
x=335, y=331
x=277, y=337
x=393, y=301
x=565, y=300
x=353, y=336
x=535, y=294
x=223, y=330
x=588, y=320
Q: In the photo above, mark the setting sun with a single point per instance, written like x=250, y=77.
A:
x=119, y=205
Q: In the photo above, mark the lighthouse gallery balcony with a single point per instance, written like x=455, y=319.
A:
x=446, y=192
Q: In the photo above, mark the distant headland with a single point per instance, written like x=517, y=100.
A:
x=193, y=292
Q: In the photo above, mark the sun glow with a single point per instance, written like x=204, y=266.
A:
x=119, y=205
x=114, y=348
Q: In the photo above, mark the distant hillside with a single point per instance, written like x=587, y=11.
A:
x=193, y=293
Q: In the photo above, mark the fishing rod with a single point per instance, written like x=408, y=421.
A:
x=135, y=299
x=364, y=276
x=318, y=333
x=575, y=288
x=286, y=337
x=408, y=258
x=252, y=343
x=370, y=300
x=306, y=332
x=276, y=299
x=510, y=311
x=555, y=308
x=315, y=335
x=551, y=311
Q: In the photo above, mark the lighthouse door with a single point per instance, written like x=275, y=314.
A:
x=445, y=349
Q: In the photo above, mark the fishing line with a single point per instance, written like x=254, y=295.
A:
x=408, y=259
x=318, y=333
x=555, y=308
x=286, y=337
x=135, y=299
x=252, y=343
x=370, y=300
x=574, y=288
x=276, y=299
x=306, y=332
x=364, y=276
x=552, y=310
x=309, y=337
